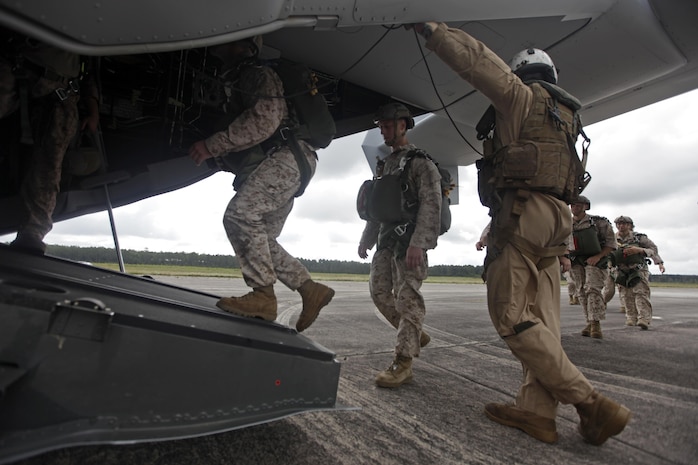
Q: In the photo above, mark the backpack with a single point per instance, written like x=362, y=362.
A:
x=383, y=199
x=310, y=116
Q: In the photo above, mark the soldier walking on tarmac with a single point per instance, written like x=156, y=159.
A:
x=592, y=240
x=400, y=264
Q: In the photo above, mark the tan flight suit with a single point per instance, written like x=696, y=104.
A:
x=636, y=299
x=53, y=125
x=590, y=280
x=517, y=291
x=257, y=213
x=395, y=288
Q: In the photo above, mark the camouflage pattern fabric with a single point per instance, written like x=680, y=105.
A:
x=571, y=286
x=257, y=213
x=395, y=288
x=53, y=125
x=590, y=280
x=255, y=218
x=636, y=300
x=609, y=287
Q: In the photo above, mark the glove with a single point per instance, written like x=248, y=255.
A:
x=423, y=29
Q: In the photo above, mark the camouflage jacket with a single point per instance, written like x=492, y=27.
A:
x=261, y=112
x=636, y=239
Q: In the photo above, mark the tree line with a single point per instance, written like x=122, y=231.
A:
x=145, y=257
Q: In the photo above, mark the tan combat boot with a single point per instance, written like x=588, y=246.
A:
x=541, y=428
x=574, y=300
x=260, y=303
x=315, y=296
x=600, y=418
x=586, y=332
x=398, y=373
x=29, y=243
x=643, y=324
x=424, y=339
x=596, y=330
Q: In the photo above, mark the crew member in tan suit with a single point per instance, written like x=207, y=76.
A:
x=530, y=230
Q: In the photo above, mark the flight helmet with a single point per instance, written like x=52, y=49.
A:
x=534, y=63
x=394, y=111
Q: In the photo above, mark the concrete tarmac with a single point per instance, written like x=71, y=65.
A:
x=438, y=418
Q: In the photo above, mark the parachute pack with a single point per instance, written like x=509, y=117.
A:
x=309, y=119
x=385, y=200
x=310, y=116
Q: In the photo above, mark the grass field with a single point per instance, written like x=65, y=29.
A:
x=171, y=270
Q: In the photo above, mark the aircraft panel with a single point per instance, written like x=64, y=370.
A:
x=91, y=356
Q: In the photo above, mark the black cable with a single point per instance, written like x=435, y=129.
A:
x=436, y=91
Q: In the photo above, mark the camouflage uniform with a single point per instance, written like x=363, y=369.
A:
x=53, y=124
x=394, y=287
x=523, y=299
x=590, y=280
x=571, y=288
x=257, y=213
x=636, y=299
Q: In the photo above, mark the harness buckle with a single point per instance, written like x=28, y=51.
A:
x=285, y=132
x=62, y=94
x=401, y=229
x=74, y=86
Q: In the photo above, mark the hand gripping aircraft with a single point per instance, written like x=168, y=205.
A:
x=89, y=356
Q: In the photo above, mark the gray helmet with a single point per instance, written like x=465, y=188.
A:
x=394, y=111
x=624, y=219
x=583, y=200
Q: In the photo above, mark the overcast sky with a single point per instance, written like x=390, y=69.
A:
x=644, y=164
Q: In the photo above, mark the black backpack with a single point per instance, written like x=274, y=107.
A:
x=446, y=188
x=310, y=116
x=383, y=200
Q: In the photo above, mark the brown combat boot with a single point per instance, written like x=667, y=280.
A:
x=260, y=303
x=541, y=428
x=398, y=373
x=596, y=330
x=586, y=332
x=315, y=296
x=424, y=339
x=600, y=418
x=29, y=243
